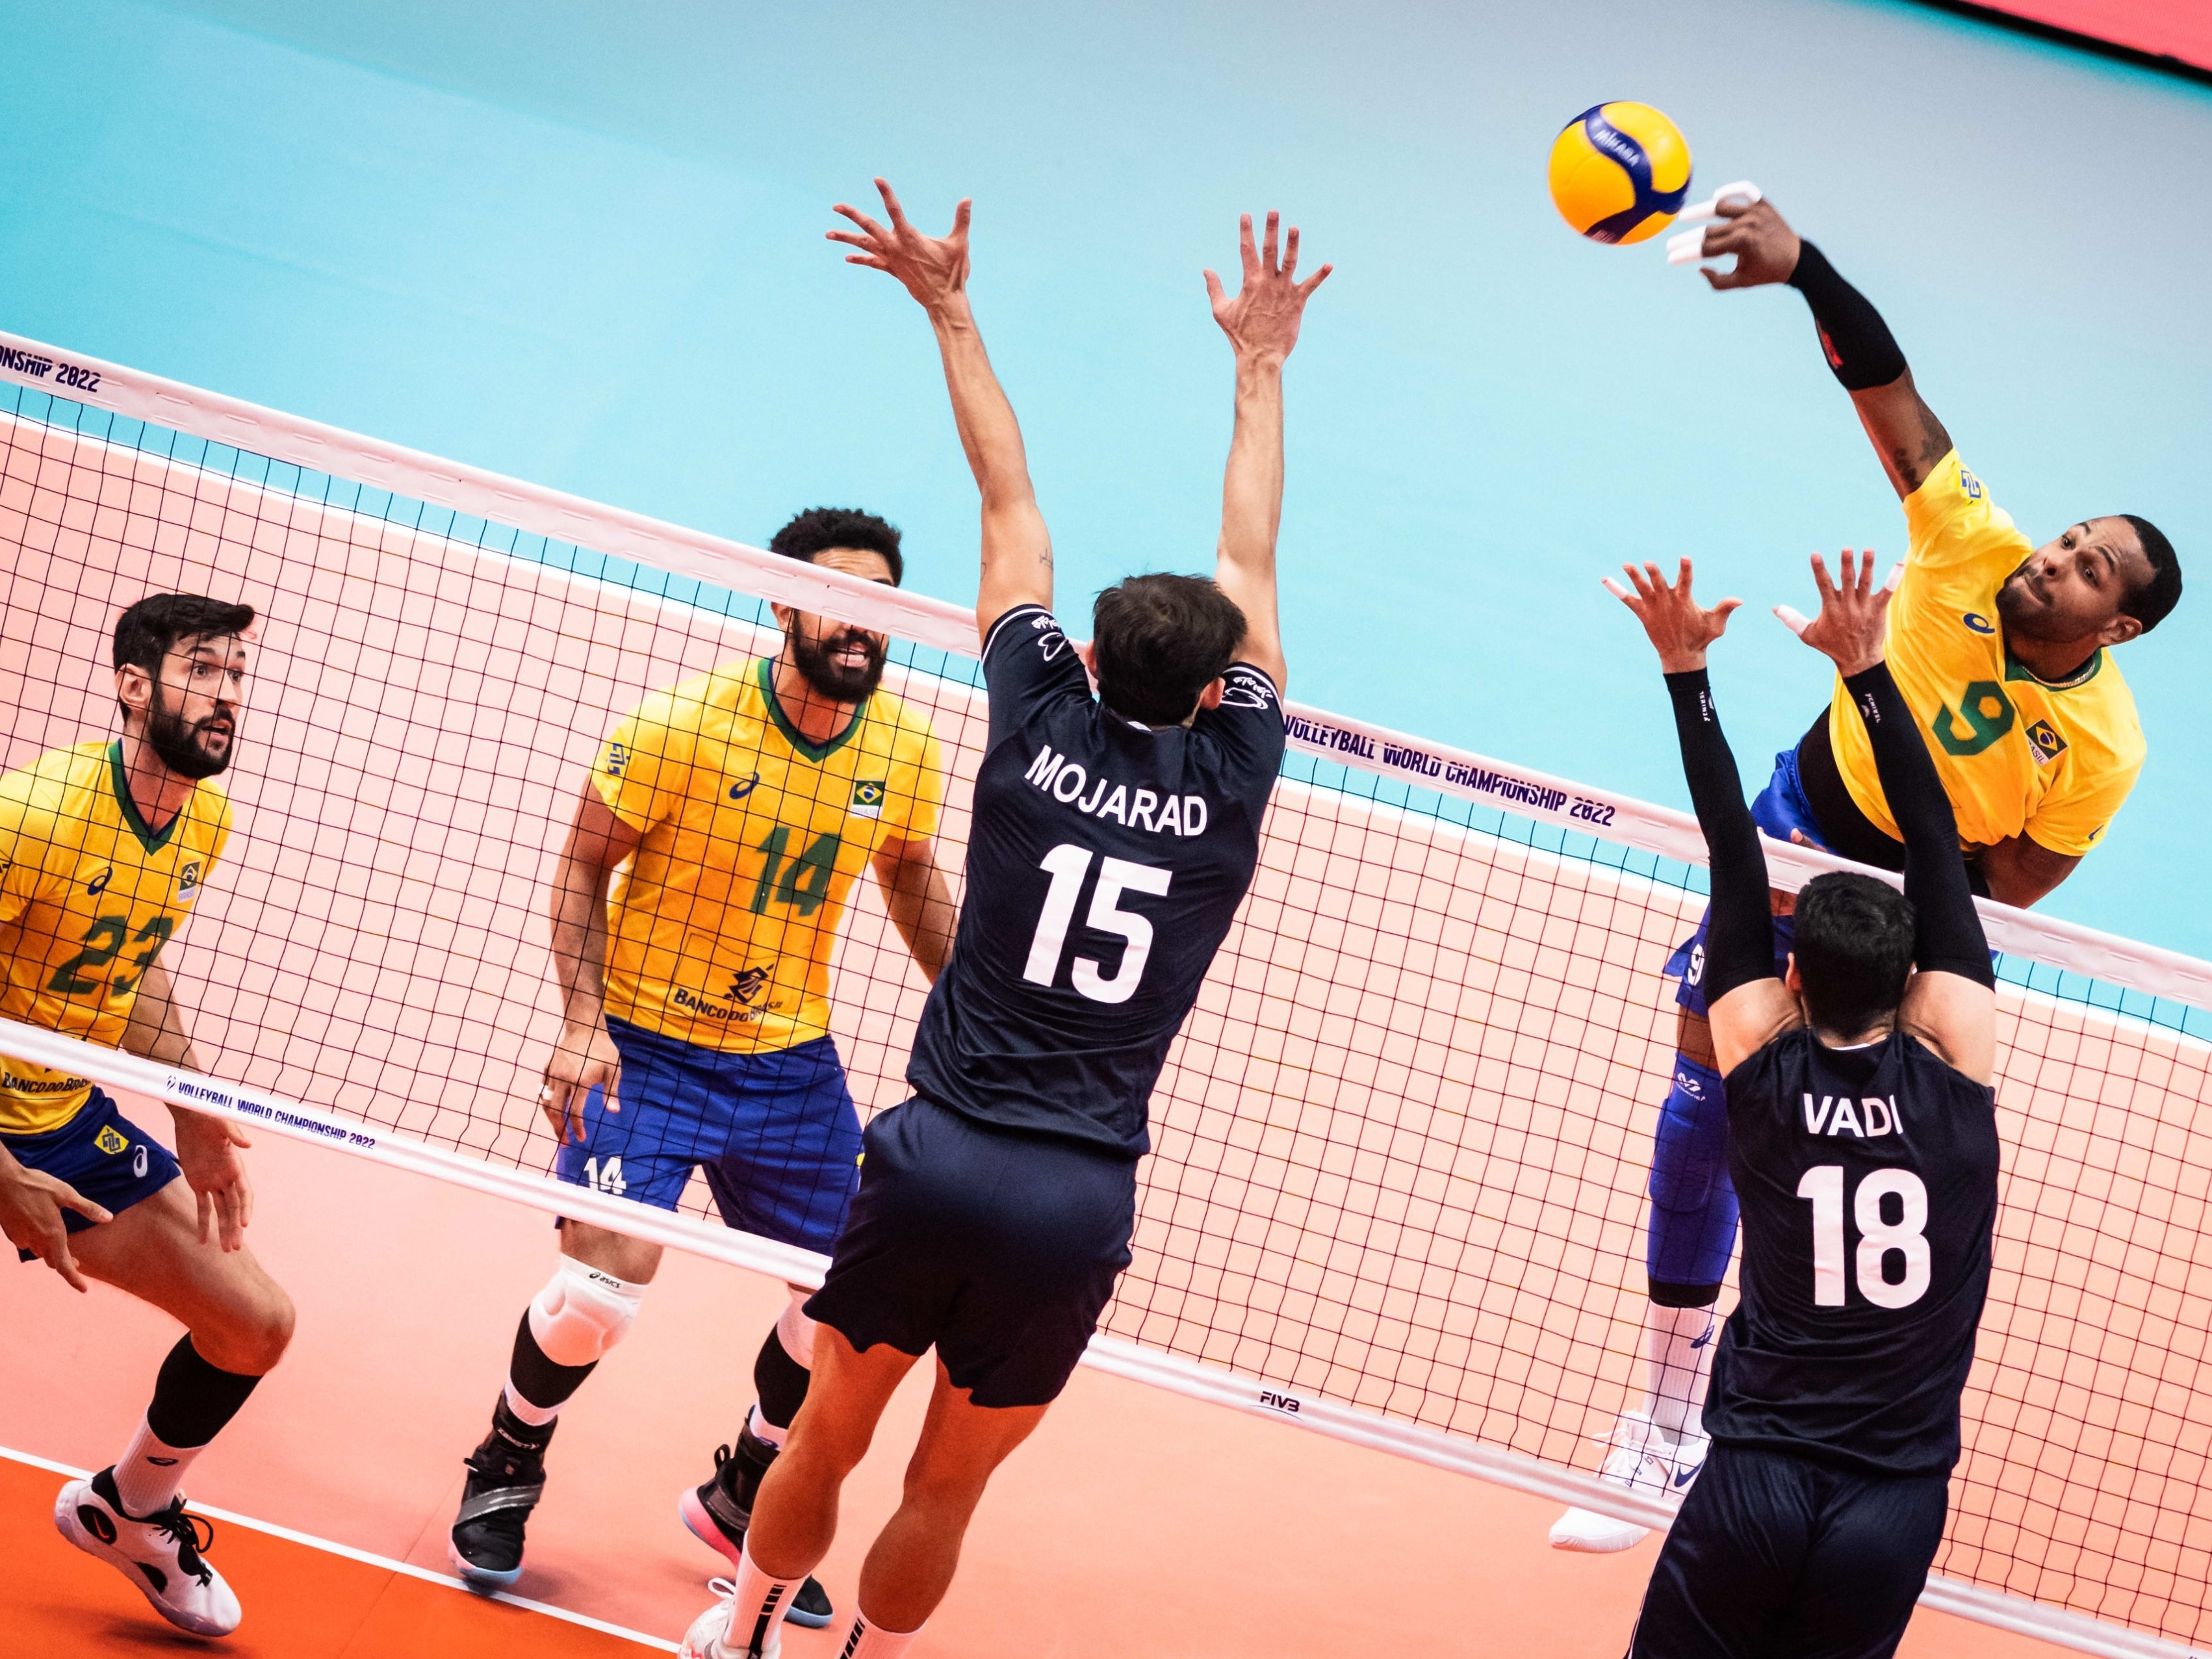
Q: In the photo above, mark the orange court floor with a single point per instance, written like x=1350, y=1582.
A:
x=1135, y=1523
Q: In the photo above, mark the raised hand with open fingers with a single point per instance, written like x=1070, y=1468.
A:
x=1854, y=614
x=933, y=269
x=1679, y=628
x=1262, y=319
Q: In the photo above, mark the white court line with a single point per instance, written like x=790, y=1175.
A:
x=367, y=1558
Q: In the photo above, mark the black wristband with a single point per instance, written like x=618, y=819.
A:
x=1858, y=345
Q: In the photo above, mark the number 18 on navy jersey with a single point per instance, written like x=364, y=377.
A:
x=1105, y=864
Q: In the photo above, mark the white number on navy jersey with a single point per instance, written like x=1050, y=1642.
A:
x=1823, y=1185
x=605, y=1178
x=1068, y=864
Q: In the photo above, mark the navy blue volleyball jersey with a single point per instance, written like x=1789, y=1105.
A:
x=1869, y=1181
x=1105, y=863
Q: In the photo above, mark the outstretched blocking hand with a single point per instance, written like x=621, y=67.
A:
x=1765, y=246
x=1854, y=614
x=1679, y=628
x=1262, y=320
x=933, y=269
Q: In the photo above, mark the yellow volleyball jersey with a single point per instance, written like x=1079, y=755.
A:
x=89, y=895
x=720, y=926
x=2015, y=753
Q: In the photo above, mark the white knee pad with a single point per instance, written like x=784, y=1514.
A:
x=582, y=1312
x=795, y=1330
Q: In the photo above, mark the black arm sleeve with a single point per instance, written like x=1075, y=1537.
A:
x=1858, y=345
x=1946, y=930
x=1740, y=936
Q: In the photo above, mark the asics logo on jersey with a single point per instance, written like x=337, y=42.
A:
x=138, y=1163
x=740, y=791
x=2045, y=742
x=1836, y=1115
x=746, y=986
x=1978, y=623
x=1065, y=780
x=98, y=885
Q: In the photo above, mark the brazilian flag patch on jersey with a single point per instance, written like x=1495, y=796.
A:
x=108, y=1141
x=2047, y=743
x=868, y=796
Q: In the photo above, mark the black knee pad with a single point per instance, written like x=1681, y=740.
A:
x=780, y=1380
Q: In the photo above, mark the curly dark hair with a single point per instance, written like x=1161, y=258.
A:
x=819, y=528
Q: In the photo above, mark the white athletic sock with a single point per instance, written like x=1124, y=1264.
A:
x=537, y=1416
x=762, y=1429
x=1678, y=1356
x=147, y=1475
x=757, y=1604
x=869, y=1641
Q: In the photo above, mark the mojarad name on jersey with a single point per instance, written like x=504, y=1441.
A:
x=1836, y=1115
x=1067, y=782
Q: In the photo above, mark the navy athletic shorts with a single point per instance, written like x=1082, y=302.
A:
x=101, y=1152
x=999, y=1248
x=1780, y=1556
x=776, y=1134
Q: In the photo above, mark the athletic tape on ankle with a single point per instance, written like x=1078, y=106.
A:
x=582, y=1312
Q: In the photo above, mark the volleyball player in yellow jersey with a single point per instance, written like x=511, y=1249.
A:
x=2001, y=649
x=693, y=912
x=104, y=847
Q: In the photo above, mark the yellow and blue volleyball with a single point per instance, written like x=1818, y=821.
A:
x=1620, y=172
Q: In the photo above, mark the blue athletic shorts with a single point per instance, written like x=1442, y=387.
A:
x=101, y=1152
x=776, y=1134
x=1000, y=1248
x=1781, y=807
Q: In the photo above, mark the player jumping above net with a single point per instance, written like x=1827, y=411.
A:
x=2000, y=650
x=104, y=847
x=737, y=808
x=1113, y=839
x=1862, y=1137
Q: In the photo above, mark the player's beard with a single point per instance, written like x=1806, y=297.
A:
x=181, y=746
x=816, y=660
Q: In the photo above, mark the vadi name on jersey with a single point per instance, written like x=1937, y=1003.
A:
x=1836, y=1115
x=1066, y=781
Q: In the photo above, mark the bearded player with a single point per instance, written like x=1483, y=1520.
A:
x=1863, y=1139
x=104, y=849
x=1113, y=840
x=2002, y=651
x=695, y=907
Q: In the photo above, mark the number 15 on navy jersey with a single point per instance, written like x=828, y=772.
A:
x=1106, y=862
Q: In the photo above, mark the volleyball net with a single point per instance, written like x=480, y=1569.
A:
x=1397, y=1193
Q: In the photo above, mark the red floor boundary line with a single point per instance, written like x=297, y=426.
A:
x=367, y=1558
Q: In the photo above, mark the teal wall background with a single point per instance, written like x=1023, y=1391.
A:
x=580, y=241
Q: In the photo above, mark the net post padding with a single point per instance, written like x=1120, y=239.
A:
x=1399, y=1181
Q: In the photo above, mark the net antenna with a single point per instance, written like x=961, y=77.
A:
x=1397, y=1195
